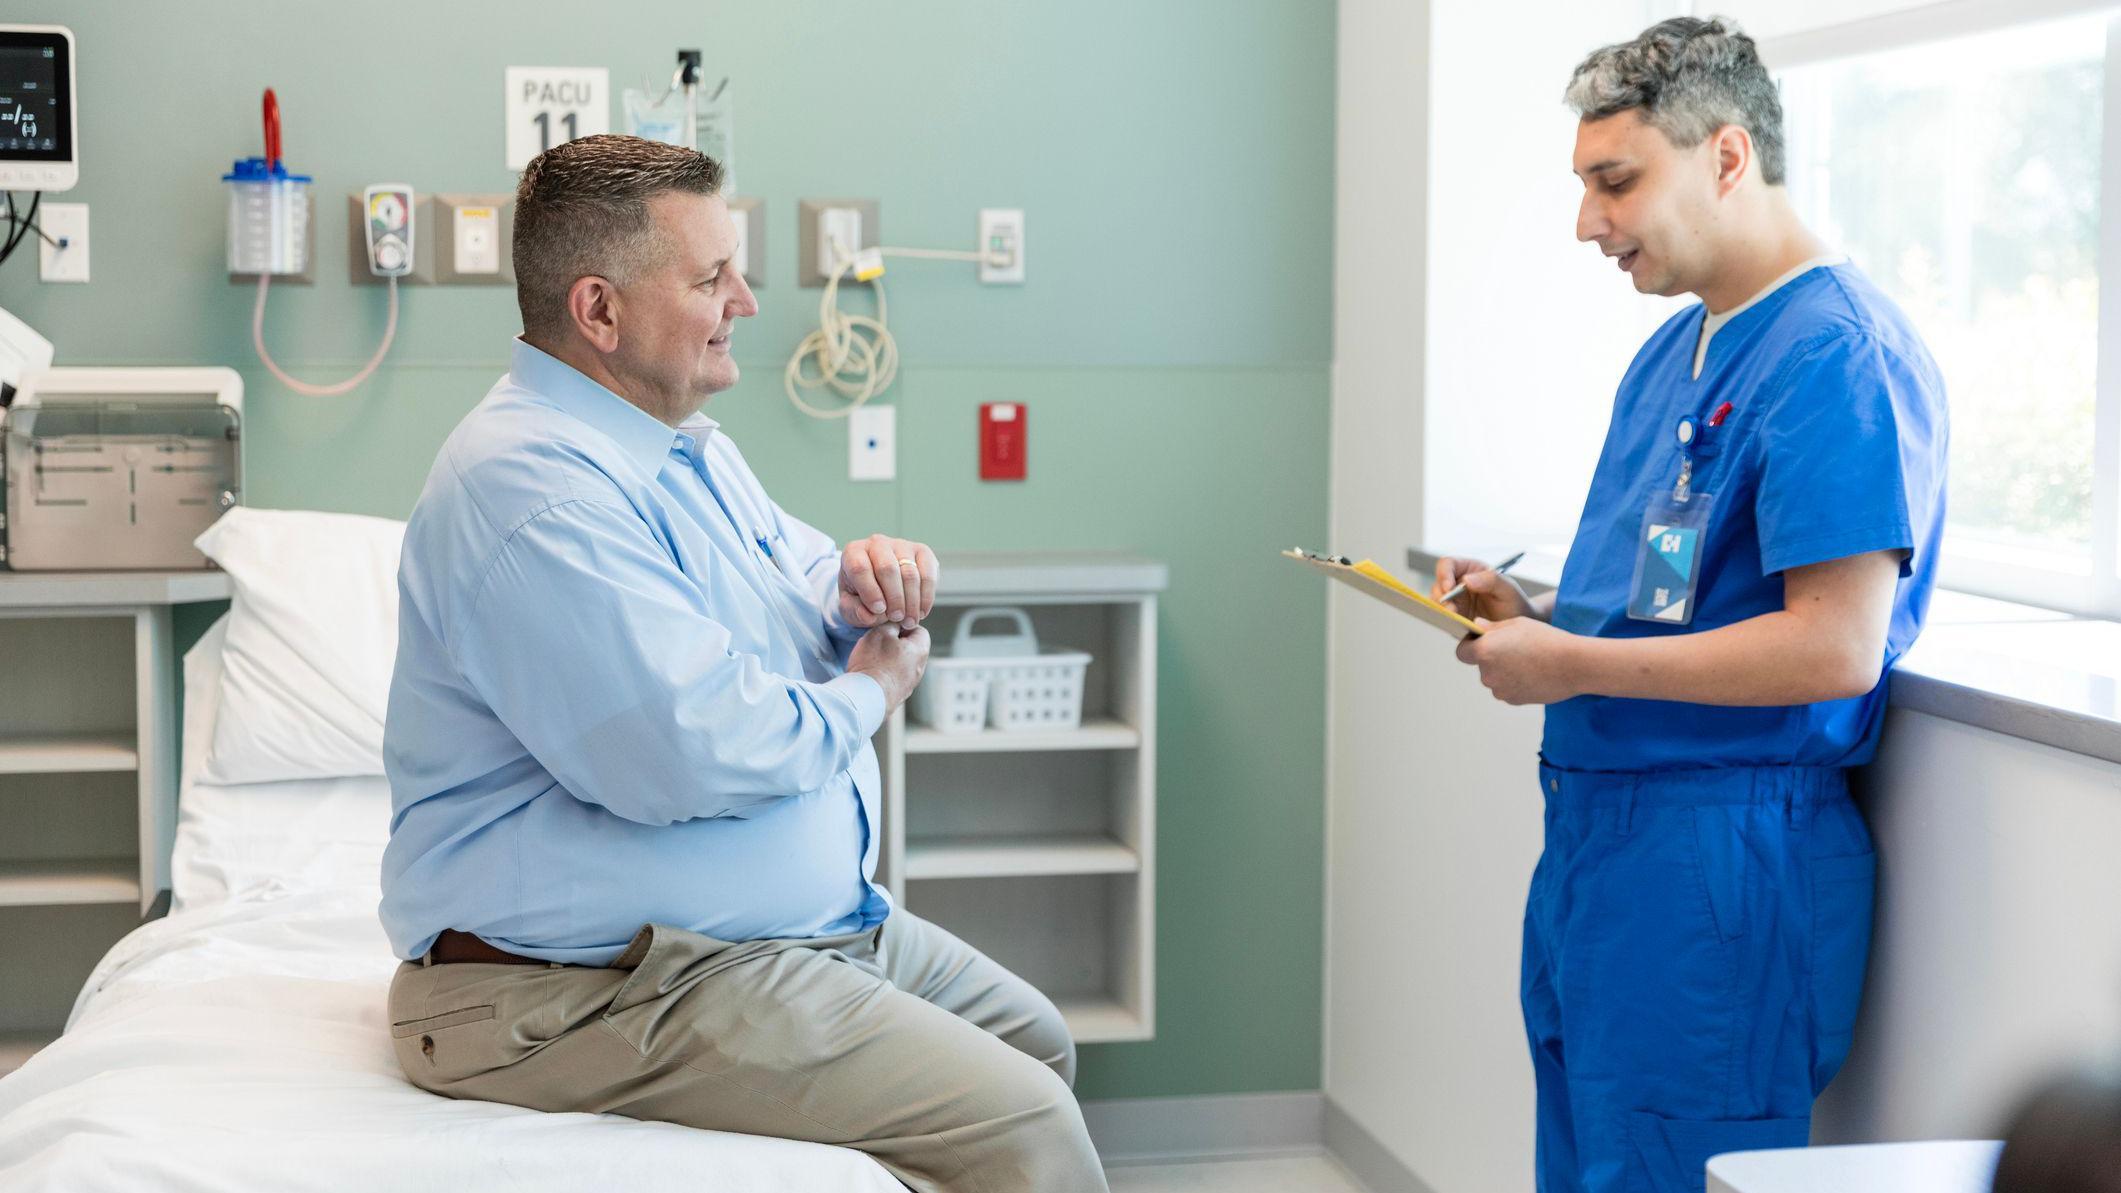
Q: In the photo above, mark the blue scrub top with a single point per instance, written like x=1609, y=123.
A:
x=1834, y=446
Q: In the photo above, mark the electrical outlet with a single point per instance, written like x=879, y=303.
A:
x=814, y=229
x=749, y=217
x=839, y=237
x=68, y=223
x=872, y=443
x=1001, y=238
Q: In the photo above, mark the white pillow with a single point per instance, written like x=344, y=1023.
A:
x=312, y=637
x=255, y=839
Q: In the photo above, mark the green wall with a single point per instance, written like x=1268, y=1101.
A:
x=1174, y=160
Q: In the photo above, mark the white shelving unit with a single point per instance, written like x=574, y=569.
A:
x=88, y=777
x=1037, y=847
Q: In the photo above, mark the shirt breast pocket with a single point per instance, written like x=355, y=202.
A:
x=775, y=546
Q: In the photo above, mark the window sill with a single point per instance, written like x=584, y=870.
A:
x=2013, y=669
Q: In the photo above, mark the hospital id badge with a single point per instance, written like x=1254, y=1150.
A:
x=1668, y=558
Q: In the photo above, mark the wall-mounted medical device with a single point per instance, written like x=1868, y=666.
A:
x=268, y=233
x=39, y=131
x=389, y=228
x=118, y=468
x=268, y=209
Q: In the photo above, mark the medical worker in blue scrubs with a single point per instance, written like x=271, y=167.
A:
x=1757, y=550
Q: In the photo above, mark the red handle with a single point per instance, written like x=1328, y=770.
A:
x=272, y=129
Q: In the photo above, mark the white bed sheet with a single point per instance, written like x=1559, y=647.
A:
x=240, y=1043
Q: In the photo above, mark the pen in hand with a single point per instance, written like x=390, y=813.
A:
x=1498, y=569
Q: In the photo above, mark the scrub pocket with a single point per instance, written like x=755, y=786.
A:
x=1668, y=558
x=1842, y=890
x=1672, y=1154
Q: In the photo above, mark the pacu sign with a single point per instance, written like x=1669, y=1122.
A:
x=547, y=105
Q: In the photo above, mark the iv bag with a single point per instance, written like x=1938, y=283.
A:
x=658, y=120
x=714, y=129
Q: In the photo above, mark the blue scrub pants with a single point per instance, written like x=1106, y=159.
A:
x=1694, y=948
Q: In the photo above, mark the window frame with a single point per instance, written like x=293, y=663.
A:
x=1969, y=565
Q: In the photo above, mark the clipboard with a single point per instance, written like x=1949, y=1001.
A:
x=1368, y=578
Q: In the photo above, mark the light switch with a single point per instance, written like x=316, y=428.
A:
x=1001, y=240
x=872, y=443
x=66, y=222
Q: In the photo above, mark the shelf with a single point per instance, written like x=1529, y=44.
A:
x=68, y=753
x=1099, y=1019
x=1003, y=857
x=74, y=590
x=1096, y=733
x=1000, y=577
x=16, y=1047
x=52, y=883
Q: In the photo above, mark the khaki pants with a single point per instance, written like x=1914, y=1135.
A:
x=904, y=1042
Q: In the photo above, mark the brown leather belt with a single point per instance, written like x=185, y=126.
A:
x=453, y=947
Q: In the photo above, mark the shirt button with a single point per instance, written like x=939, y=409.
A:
x=1554, y=785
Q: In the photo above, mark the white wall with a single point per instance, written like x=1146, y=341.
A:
x=1997, y=957
x=1447, y=393
x=1528, y=330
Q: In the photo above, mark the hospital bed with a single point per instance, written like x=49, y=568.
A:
x=241, y=1043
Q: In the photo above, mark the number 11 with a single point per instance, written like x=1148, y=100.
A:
x=544, y=120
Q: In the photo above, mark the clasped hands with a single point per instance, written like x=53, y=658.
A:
x=887, y=585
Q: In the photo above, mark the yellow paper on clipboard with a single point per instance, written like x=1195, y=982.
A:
x=1367, y=577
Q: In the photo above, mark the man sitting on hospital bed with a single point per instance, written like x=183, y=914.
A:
x=634, y=827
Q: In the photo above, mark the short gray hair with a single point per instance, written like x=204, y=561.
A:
x=582, y=211
x=1689, y=77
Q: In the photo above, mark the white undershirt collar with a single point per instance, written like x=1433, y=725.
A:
x=1711, y=324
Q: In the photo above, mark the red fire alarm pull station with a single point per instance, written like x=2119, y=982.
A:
x=1004, y=441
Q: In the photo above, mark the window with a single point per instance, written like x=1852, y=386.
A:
x=1964, y=177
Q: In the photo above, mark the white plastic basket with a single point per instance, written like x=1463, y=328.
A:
x=1000, y=679
x=952, y=696
x=1044, y=692
x=1027, y=689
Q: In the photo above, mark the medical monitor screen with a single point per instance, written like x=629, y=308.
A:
x=36, y=121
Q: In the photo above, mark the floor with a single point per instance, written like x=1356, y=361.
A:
x=1296, y=1174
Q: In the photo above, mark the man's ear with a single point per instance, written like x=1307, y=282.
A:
x=593, y=307
x=1733, y=152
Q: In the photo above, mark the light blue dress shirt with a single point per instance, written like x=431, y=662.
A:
x=620, y=694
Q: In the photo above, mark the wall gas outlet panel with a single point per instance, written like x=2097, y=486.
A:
x=471, y=235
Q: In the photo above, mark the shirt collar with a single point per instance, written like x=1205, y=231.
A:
x=642, y=436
